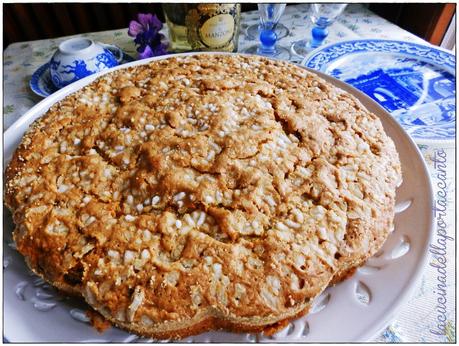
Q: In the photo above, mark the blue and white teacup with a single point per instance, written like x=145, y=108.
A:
x=79, y=57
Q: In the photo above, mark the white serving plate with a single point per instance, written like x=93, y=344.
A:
x=355, y=310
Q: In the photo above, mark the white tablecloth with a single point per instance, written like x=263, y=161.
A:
x=429, y=316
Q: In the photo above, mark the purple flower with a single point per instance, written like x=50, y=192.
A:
x=148, y=52
x=147, y=36
x=144, y=22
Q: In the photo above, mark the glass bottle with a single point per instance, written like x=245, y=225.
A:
x=203, y=27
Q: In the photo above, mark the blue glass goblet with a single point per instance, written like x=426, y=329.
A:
x=269, y=16
x=323, y=15
x=253, y=31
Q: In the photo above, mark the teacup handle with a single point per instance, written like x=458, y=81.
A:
x=117, y=50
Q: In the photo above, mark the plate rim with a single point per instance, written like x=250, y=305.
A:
x=314, y=52
x=22, y=124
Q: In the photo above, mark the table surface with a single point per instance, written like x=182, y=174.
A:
x=429, y=315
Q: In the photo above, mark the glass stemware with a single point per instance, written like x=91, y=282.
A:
x=253, y=31
x=322, y=16
x=269, y=16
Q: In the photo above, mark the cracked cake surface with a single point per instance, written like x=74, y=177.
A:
x=202, y=192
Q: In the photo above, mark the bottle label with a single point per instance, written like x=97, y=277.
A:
x=213, y=26
x=217, y=31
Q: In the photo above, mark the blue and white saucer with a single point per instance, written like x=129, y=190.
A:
x=413, y=82
x=42, y=85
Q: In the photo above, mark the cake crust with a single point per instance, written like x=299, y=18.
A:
x=202, y=192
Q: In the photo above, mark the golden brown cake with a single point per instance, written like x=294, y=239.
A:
x=202, y=192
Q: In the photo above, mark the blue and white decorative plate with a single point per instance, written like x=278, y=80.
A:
x=42, y=85
x=413, y=82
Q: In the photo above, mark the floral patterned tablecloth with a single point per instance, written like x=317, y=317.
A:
x=429, y=316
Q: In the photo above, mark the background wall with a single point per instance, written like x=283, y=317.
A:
x=429, y=21
x=25, y=21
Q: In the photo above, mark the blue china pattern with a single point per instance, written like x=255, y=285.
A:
x=80, y=68
x=415, y=83
x=42, y=84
